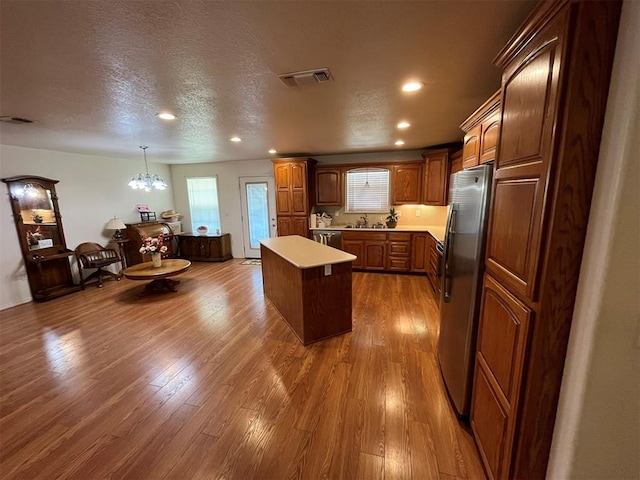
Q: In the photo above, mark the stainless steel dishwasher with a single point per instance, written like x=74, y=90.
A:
x=332, y=238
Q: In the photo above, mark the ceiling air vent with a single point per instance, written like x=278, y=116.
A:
x=308, y=77
x=17, y=120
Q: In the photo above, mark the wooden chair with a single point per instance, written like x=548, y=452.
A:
x=93, y=255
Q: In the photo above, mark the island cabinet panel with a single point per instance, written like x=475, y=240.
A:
x=555, y=82
x=329, y=186
x=204, y=248
x=406, y=184
x=293, y=195
x=316, y=302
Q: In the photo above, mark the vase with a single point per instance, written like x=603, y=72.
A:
x=157, y=259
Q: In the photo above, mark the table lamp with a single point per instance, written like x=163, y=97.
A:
x=116, y=224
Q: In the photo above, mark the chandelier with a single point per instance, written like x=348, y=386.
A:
x=144, y=181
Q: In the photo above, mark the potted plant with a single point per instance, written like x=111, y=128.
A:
x=392, y=218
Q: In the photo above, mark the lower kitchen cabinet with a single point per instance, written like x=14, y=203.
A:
x=205, y=248
x=379, y=251
x=502, y=338
x=293, y=225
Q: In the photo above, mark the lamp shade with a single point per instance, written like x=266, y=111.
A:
x=115, y=224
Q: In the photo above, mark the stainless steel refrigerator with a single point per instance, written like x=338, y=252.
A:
x=461, y=281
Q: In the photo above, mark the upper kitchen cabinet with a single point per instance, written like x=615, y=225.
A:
x=481, y=138
x=36, y=214
x=293, y=195
x=456, y=162
x=555, y=83
x=329, y=186
x=406, y=183
x=436, y=178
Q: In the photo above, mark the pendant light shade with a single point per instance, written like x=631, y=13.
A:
x=144, y=181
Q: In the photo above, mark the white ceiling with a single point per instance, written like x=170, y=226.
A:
x=93, y=74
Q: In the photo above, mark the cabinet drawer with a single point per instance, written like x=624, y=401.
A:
x=399, y=264
x=399, y=237
x=399, y=249
x=364, y=236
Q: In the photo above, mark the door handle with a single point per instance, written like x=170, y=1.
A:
x=448, y=248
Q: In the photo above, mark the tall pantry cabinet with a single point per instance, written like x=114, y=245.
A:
x=293, y=195
x=555, y=82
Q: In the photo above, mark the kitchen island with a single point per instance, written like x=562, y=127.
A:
x=309, y=284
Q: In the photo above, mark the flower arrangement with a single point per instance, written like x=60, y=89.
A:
x=153, y=245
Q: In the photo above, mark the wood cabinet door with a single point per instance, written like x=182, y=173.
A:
x=419, y=252
x=502, y=339
x=285, y=226
x=406, y=184
x=489, y=138
x=375, y=254
x=282, y=176
x=300, y=226
x=436, y=178
x=355, y=247
x=520, y=179
x=299, y=194
x=283, y=202
x=471, y=147
x=298, y=176
x=329, y=186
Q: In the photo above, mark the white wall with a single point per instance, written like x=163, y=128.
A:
x=597, y=432
x=91, y=190
x=228, y=174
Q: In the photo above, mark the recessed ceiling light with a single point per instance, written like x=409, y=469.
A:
x=272, y=151
x=399, y=142
x=235, y=139
x=404, y=125
x=412, y=86
x=166, y=116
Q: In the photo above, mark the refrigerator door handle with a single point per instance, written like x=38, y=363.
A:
x=448, y=248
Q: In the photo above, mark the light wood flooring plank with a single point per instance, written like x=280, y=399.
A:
x=209, y=382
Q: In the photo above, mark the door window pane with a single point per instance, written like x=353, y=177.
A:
x=203, y=203
x=258, y=212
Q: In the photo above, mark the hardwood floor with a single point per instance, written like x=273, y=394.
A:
x=209, y=382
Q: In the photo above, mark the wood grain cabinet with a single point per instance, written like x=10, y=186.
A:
x=135, y=232
x=406, y=184
x=398, y=252
x=555, y=83
x=481, y=137
x=382, y=251
x=329, y=186
x=36, y=215
x=419, y=252
x=456, y=162
x=293, y=195
x=204, y=248
x=436, y=178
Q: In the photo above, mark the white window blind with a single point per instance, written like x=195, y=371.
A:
x=367, y=190
x=203, y=203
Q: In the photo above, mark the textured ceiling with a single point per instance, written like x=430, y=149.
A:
x=93, y=74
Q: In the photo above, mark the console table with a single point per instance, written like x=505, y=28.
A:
x=204, y=248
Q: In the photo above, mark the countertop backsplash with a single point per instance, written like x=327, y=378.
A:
x=429, y=215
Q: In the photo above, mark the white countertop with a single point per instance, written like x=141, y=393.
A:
x=305, y=253
x=436, y=232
